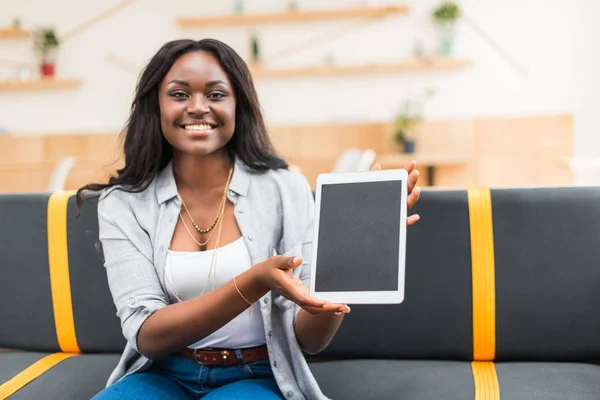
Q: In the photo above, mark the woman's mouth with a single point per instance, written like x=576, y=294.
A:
x=199, y=129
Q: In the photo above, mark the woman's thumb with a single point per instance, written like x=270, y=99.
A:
x=286, y=262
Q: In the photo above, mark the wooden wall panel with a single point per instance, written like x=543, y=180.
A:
x=18, y=149
x=98, y=147
x=497, y=152
x=24, y=177
x=523, y=151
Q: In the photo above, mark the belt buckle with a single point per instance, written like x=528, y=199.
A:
x=224, y=355
x=196, y=357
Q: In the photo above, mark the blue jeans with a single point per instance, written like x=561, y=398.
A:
x=180, y=378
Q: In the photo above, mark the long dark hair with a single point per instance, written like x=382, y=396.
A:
x=147, y=152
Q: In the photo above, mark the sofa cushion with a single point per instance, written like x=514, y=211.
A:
x=547, y=282
x=96, y=323
x=25, y=287
x=25, y=297
x=547, y=279
x=75, y=378
x=426, y=380
x=394, y=379
x=548, y=381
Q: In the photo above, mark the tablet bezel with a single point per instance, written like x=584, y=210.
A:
x=367, y=297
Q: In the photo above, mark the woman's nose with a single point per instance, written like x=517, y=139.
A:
x=198, y=106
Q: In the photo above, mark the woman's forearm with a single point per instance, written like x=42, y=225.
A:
x=314, y=332
x=176, y=326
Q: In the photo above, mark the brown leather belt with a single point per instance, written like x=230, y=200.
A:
x=225, y=356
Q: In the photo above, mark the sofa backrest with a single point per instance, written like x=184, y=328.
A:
x=545, y=282
x=39, y=312
x=537, y=301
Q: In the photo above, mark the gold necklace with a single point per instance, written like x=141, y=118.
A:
x=201, y=230
x=219, y=216
x=213, y=261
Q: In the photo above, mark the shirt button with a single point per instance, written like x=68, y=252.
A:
x=270, y=333
x=275, y=364
x=231, y=193
x=240, y=210
x=162, y=249
x=131, y=301
x=250, y=237
x=266, y=300
x=290, y=394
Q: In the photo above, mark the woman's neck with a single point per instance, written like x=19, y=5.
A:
x=201, y=174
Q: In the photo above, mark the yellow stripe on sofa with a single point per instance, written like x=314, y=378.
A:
x=486, y=381
x=483, y=271
x=58, y=256
x=30, y=373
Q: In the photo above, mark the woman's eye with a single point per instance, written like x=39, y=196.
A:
x=178, y=95
x=216, y=95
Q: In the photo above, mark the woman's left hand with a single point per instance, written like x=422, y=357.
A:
x=413, y=190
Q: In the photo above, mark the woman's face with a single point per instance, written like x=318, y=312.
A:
x=197, y=105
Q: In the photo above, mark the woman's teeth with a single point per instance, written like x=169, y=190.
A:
x=203, y=127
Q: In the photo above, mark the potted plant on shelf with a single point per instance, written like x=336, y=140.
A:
x=46, y=44
x=407, y=120
x=405, y=124
x=445, y=16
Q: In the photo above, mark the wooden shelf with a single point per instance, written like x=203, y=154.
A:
x=423, y=64
x=6, y=33
x=291, y=16
x=47, y=83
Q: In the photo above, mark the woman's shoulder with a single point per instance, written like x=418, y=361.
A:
x=121, y=197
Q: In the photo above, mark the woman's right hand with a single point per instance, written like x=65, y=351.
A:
x=276, y=274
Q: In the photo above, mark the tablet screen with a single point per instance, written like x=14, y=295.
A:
x=359, y=236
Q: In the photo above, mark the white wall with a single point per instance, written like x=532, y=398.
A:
x=555, y=40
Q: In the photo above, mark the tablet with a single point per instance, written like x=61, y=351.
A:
x=359, y=247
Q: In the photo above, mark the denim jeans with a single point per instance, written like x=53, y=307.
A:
x=180, y=378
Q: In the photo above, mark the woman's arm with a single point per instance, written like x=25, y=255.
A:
x=176, y=326
x=314, y=332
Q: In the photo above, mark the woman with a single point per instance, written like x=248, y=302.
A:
x=189, y=228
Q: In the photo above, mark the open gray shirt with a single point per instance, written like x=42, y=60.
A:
x=273, y=209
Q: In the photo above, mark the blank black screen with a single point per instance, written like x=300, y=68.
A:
x=359, y=236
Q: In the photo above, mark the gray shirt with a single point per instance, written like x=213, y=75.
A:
x=274, y=211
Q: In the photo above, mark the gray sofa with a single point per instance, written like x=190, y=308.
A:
x=525, y=298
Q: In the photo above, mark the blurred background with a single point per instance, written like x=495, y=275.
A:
x=497, y=93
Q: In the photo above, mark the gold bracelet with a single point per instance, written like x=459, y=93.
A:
x=245, y=299
x=240, y=293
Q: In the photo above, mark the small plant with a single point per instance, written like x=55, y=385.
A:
x=409, y=117
x=406, y=120
x=45, y=43
x=447, y=12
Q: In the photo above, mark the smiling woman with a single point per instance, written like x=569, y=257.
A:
x=201, y=179
x=196, y=96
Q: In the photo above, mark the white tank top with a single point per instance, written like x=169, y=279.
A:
x=186, y=273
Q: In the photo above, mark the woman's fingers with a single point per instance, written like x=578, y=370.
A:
x=413, y=197
x=376, y=167
x=286, y=262
x=410, y=166
x=412, y=219
x=413, y=179
x=337, y=309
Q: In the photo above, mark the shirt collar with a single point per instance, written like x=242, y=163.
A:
x=166, y=188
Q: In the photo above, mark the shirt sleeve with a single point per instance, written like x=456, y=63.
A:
x=132, y=277
x=307, y=212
